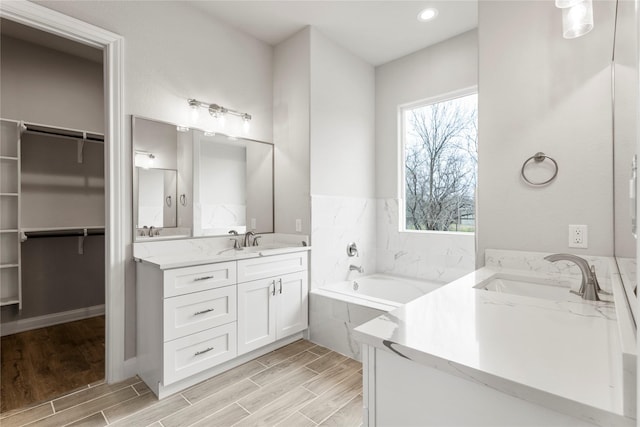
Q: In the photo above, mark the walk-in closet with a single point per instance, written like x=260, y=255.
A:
x=52, y=217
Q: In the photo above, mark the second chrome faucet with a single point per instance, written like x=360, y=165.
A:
x=589, y=287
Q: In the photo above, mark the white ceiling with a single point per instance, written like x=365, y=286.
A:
x=377, y=31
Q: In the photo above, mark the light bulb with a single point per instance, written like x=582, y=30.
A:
x=427, y=14
x=195, y=109
x=246, y=124
x=221, y=119
x=577, y=20
x=561, y=4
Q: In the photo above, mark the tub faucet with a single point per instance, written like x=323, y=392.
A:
x=356, y=268
x=589, y=287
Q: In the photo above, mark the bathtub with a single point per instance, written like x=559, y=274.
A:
x=338, y=308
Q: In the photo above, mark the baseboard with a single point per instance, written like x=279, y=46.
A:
x=22, y=325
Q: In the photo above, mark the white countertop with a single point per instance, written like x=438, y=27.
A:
x=188, y=259
x=560, y=354
x=167, y=254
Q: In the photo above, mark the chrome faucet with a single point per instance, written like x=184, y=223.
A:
x=589, y=287
x=247, y=238
x=236, y=243
x=356, y=268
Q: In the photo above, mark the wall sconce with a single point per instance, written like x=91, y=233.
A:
x=144, y=160
x=218, y=112
x=577, y=17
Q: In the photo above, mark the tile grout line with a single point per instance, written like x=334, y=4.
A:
x=336, y=411
x=298, y=411
x=90, y=400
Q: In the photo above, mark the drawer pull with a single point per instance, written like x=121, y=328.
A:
x=197, y=279
x=274, y=288
x=280, y=280
x=198, y=353
x=208, y=310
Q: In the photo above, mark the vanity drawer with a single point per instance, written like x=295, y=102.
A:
x=195, y=353
x=270, y=266
x=179, y=281
x=195, y=312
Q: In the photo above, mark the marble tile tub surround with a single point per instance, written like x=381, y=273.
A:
x=179, y=253
x=332, y=322
x=373, y=225
x=562, y=355
x=337, y=221
x=438, y=256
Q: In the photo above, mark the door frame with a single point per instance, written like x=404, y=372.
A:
x=116, y=236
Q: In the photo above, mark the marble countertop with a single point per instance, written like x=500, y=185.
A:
x=565, y=355
x=167, y=254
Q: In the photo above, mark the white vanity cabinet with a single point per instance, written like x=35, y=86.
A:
x=275, y=305
x=186, y=321
x=193, y=322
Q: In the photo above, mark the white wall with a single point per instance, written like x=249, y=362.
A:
x=342, y=161
x=540, y=92
x=439, y=69
x=45, y=86
x=342, y=121
x=174, y=52
x=291, y=104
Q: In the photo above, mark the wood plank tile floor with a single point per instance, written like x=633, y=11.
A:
x=298, y=385
x=45, y=363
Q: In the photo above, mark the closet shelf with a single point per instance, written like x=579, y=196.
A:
x=8, y=266
x=8, y=301
x=27, y=233
x=9, y=230
x=9, y=194
x=9, y=158
x=70, y=228
x=34, y=129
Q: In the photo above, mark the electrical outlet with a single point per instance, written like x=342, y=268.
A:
x=578, y=236
x=298, y=225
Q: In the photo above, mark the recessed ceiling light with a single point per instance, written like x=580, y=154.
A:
x=427, y=14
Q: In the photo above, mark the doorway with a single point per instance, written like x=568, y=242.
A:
x=115, y=165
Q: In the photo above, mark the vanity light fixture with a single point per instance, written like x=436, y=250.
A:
x=427, y=14
x=144, y=160
x=577, y=17
x=218, y=111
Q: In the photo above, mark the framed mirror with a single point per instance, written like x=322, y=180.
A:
x=192, y=183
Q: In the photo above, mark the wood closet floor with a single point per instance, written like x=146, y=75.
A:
x=299, y=385
x=44, y=363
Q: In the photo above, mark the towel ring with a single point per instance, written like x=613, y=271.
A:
x=539, y=157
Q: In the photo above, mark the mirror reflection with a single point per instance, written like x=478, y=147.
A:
x=625, y=101
x=157, y=199
x=190, y=183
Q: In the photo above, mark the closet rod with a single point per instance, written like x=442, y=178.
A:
x=63, y=133
x=73, y=232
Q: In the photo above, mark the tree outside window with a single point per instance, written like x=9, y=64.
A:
x=440, y=164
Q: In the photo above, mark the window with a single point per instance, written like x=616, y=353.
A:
x=440, y=145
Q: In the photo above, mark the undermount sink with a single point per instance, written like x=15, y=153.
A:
x=528, y=287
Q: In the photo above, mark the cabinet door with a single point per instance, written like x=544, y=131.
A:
x=291, y=300
x=256, y=314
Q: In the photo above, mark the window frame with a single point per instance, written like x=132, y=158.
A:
x=402, y=208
